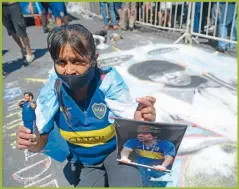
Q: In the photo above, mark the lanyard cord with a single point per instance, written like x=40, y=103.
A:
x=150, y=146
x=65, y=111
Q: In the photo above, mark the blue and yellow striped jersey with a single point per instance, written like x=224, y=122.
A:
x=151, y=155
x=91, y=135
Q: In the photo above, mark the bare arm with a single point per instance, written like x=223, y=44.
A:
x=30, y=7
x=168, y=160
x=125, y=152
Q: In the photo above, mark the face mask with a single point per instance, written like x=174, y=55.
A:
x=77, y=81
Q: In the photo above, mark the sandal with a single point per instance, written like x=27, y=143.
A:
x=116, y=27
x=106, y=27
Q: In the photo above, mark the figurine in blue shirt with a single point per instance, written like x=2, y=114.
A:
x=28, y=111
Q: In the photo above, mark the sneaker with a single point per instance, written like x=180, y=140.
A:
x=24, y=52
x=30, y=58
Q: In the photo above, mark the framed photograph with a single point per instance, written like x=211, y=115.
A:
x=152, y=147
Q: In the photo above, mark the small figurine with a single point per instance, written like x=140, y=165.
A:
x=28, y=111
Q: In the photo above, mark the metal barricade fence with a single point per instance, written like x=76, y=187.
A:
x=223, y=18
x=165, y=15
x=162, y=15
x=187, y=18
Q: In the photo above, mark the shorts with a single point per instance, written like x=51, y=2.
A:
x=58, y=9
x=13, y=20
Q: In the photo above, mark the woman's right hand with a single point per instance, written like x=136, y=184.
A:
x=25, y=139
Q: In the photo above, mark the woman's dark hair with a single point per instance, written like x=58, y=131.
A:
x=29, y=94
x=77, y=36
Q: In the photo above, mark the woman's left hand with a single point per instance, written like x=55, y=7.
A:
x=145, y=110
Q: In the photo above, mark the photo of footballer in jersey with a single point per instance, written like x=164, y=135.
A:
x=150, y=147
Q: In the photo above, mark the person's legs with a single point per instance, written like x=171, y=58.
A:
x=86, y=177
x=160, y=17
x=59, y=12
x=223, y=26
x=104, y=14
x=196, y=17
x=167, y=17
x=65, y=18
x=185, y=13
x=117, y=7
x=204, y=15
x=234, y=34
x=29, y=55
x=112, y=15
x=234, y=28
x=20, y=28
x=45, y=6
x=17, y=40
x=7, y=22
x=124, y=16
x=213, y=13
x=92, y=177
x=121, y=175
x=132, y=17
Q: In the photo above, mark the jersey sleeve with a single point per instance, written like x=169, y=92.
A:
x=117, y=95
x=169, y=149
x=47, y=106
x=132, y=144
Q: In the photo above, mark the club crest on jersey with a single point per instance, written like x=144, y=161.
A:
x=156, y=149
x=99, y=110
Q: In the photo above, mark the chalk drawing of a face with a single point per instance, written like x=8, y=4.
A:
x=167, y=73
x=172, y=77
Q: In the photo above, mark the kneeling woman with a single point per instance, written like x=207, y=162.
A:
x=81, y=99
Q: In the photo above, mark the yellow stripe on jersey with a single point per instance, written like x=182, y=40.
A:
x=149, y=154
x=89, y=138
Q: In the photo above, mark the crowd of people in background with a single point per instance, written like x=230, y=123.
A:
x=58, y=10
x=214, y=18
x=174, y=14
